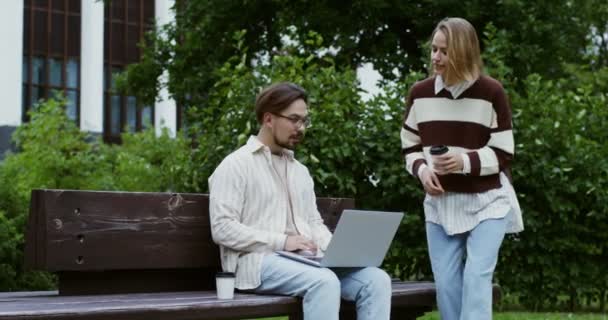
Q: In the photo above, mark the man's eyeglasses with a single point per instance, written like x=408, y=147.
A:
x=297, y=121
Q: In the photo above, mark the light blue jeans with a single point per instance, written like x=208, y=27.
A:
x=322, y=288
x=463, y=265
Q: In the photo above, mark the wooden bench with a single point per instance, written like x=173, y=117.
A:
x=132, y=255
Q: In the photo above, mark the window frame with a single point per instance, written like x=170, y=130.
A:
x=48, y=46
x=118, y=54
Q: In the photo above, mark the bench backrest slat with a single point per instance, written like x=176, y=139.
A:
x=112, y=230
x=131, y=238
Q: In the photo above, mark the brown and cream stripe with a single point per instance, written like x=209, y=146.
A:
x=477, y=123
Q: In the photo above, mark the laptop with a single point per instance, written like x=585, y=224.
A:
x=361, y=239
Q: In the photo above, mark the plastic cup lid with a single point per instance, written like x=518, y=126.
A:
x=225, y=274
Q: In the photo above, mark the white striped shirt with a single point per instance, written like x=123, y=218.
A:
x=248, y=208
x=462, y=212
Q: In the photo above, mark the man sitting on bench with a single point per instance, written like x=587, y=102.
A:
x=261, y=200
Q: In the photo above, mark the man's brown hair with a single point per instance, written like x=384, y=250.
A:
x=278, y=97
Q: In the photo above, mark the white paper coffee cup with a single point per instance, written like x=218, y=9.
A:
x=224, y=282
x=436, y=151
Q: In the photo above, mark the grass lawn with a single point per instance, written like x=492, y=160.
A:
x=518, y=316
x=533, y=316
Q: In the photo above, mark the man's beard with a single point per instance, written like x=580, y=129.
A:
x=285, y=144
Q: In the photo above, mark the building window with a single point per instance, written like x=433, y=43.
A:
x=126, y=22
x=51, y=49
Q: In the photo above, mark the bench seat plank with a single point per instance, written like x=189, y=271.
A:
x=160, y=306
x=413, y=293
x=175, y=305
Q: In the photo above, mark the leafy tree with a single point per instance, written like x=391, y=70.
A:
x=542, y=36
x=228, y=118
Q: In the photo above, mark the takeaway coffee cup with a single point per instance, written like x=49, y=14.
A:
x=438, y=150
x=224, y=282
x=435, y=151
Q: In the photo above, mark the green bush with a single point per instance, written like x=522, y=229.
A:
x=54, y=153
x=10, y=239
x=49, y=145
x=561, y=177
x=146, y=162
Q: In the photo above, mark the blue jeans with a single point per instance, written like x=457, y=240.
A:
x=464, y=285
x=322, y=288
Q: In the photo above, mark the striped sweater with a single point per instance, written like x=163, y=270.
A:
x=477, y=123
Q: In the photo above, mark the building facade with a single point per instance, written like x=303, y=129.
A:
x=76, y=47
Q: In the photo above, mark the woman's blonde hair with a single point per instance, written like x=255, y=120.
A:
x=464, y=58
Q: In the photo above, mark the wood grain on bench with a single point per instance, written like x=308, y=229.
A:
x=117, y=242
x=135, y=306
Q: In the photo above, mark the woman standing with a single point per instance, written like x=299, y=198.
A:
x=470, y=203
